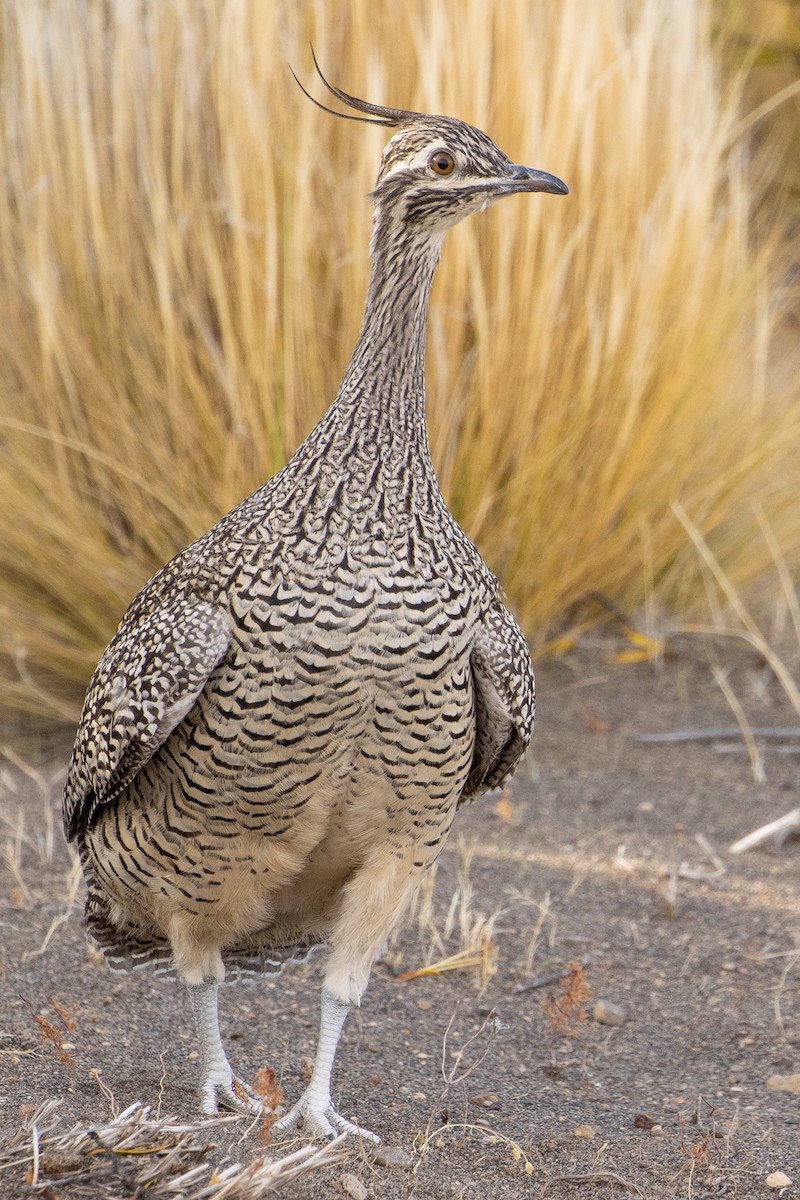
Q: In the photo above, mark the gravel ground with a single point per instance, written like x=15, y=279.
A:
x=613, y=856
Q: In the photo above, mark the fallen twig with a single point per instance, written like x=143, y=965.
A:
x=540, y=981
x=735, y=748
x=716, y=735
x=778, y=830
x=600, y=1177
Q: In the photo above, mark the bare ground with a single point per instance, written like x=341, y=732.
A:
x=595, y=859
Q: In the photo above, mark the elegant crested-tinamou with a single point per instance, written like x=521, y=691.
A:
x=274, y=744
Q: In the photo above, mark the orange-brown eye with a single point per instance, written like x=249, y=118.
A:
x=442, y=162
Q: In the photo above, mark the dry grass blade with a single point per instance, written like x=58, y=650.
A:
x=490, y=1026
x=713, y=868
x=750, y=632
x=155, y=1156
x=34, y=848
x=782, y=568
x=792, y=961
x=753, y=749
x=551, y=977
x=491, y=1137
x=484, y=957
x=713, y=734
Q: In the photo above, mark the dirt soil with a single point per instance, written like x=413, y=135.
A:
x=594, y=860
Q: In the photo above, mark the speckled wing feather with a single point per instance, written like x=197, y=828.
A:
x=502, y=675
x=146, y=682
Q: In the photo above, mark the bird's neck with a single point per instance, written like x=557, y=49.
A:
x=381, y=401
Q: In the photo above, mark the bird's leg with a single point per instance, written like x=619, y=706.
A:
x=371, y=902
x=315, y=1108
x=220, y=1086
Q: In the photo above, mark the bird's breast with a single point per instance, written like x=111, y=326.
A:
x=333, y=684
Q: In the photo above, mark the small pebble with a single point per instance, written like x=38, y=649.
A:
x=352, y=1186
x=606, y=1013
x=778, y=1180
x=585, y=1131
x=658, y=1131
x=784, y=1083
x=392, y=1156
x=485, y=1100
x=644, y=1121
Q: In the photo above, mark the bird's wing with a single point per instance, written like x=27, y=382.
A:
x=502, y=676
x=146, y=682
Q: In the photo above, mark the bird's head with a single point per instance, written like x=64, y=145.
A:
x=437, y=170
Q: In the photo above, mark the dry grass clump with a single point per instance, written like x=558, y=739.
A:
x=32, y=850
x=461, y=939
x=141, y=1153
x=183, y=260
x=732, y=618
x=451, y=932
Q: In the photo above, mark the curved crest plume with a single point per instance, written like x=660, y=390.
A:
x=378, y=114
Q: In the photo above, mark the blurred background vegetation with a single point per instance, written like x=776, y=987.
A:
x=184, y=257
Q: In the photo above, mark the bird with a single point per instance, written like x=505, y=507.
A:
x=276, y=740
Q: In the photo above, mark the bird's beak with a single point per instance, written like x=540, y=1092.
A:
x=528, y=179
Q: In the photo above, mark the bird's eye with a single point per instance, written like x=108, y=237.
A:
x=442, y=162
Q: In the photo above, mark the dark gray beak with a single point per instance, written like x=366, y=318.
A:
x=528, y=179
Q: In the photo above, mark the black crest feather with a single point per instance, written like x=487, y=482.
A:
x=378, y=114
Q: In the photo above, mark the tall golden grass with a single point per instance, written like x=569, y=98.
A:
x=183, y=260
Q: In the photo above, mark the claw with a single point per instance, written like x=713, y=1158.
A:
x=233, y=1094
x=320, y=1121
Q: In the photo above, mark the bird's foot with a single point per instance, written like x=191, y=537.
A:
x=319, y=1118
x=225, y=1090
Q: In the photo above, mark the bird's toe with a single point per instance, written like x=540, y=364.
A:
x=344, y=1126
x=234, y=1095
x=321, y=1122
